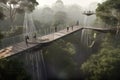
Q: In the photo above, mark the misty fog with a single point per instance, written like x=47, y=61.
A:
x=58, y=14
x=70, y=14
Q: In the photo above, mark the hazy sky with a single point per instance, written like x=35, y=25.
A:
x=83, y=3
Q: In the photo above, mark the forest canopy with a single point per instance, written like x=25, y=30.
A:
x=109, y=12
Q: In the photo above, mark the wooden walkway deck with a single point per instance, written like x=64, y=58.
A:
x=19, y=47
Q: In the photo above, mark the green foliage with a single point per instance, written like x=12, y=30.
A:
x=1, y=14
x=60, y=55
x=22, y=5
x=3, y=1
x=30, y=4
x=109, y=11
x=60, y=18
x=1, y=35
x=69, y=48
x=12, y=70
x=16, y=31
x=105, y=64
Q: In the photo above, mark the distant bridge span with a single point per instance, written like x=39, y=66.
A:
x=103, y=30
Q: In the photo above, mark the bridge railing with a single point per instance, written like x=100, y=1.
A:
x=5, y=42
x=19, y=38
x=11, y=41
x=48, y=30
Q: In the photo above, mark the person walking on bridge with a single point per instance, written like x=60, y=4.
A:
x=55, y=29
x=35, y=36
x=77, y=23
x=72, y=27
x=26, y=39
x=67, y=29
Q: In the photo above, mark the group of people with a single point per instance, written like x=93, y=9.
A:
x=34, y=37
x=27, y=38
x=69, y=28
x=77, y=23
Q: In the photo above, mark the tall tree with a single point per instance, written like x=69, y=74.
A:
x=60, y=59
x=18, y=6
x=1, y=14
x=109, y=11
x=105, y=64
x=12, y=70
x=60, y=18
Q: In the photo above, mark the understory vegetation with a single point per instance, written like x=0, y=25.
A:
x=104, y=64
x=12, y=70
